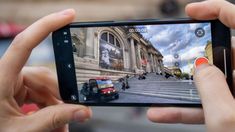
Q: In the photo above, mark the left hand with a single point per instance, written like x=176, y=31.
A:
x=19, y=84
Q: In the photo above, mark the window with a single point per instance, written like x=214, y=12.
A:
x=104, y=37
x=110, y=53
x=111, y=39
x=117, y=43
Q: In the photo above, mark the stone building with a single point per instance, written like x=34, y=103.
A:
x=208, y=52
x=113, y=52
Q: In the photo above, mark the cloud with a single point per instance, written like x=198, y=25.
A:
x=178, y=39
x=174, y=37
x=185, y=58
x=187, y=68
x=193, y=53
x=168, y=59
x=194, y=26
x=171, y=37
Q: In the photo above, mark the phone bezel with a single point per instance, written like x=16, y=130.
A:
x=221, y=40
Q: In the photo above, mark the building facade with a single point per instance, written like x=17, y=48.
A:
x=113, y=52
x=208, y=52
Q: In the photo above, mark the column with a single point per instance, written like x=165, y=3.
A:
x=133, y=55
x=89, y=43
x=161, y=66
x=155, y=63
x=148, y=66
x=152, y=62
x=139, y=57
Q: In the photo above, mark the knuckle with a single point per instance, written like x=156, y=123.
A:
x=233, y=22
x=47, y=22
x=177, y=116
x=47, y=76
x=225, y=119
x=56, y=121
x=18, y=43
x=46, y=73
x=18, y=37
x=208, y=73
x=44, y=70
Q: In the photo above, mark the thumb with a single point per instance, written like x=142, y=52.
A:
x=53, y=117
x=213, y=90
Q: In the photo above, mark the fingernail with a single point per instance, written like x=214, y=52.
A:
x=67, y=12
x=80, y=116
x=200, y=63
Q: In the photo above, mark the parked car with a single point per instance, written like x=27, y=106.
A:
x=99, y=89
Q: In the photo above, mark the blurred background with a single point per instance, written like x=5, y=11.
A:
x=15, y=15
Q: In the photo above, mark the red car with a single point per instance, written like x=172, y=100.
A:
x=99, y=89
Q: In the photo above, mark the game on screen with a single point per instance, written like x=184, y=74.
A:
x=139, y=64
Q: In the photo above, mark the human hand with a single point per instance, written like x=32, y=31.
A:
x=218, y=103
x=21, y=84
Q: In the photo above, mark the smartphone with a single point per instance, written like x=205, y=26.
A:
x=137, y=63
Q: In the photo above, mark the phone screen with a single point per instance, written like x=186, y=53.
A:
x=139, y=63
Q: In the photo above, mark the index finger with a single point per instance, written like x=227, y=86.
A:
x=213, y=9
x=21, y=47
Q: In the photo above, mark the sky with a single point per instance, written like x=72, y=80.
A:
x=179, y=40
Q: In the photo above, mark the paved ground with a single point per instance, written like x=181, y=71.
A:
x=156, y=88
x=125, y=97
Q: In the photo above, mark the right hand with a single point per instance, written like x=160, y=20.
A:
x=218, y=111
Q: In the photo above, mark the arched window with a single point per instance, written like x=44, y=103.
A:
x=111, y=39
x=111, y=53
